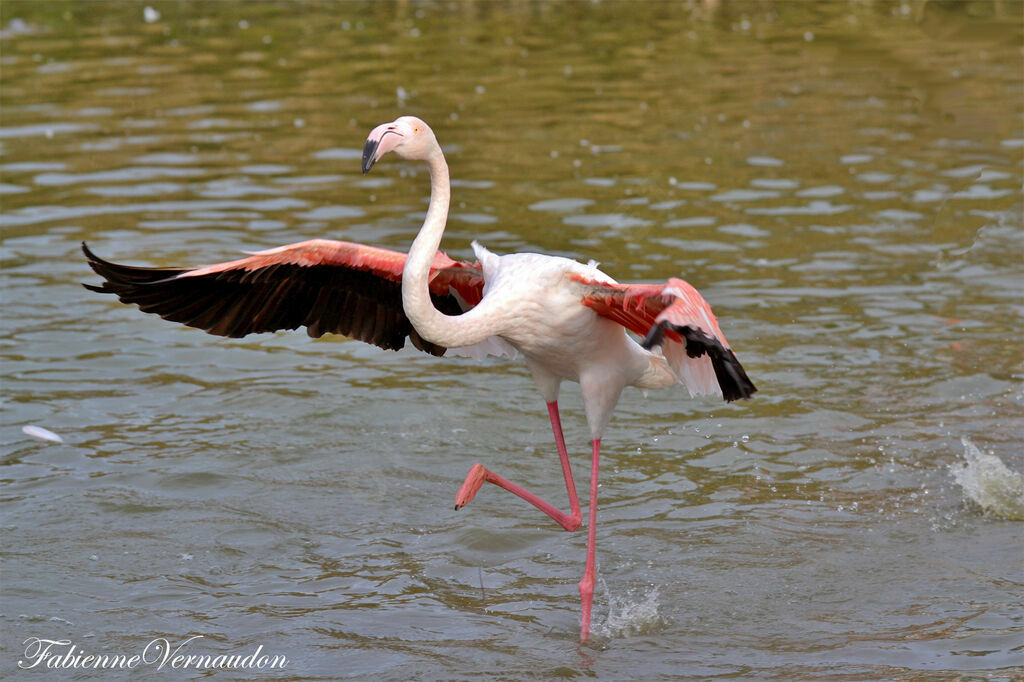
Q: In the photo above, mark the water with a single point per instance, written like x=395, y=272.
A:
x=842, y=181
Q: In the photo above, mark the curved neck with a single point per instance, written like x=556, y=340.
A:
x=450, y=331
x=416, y=273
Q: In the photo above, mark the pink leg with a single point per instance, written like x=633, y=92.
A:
x=589, y=573
x=478, y=475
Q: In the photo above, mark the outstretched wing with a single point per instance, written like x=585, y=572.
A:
x=676, y=318
x=327, y=286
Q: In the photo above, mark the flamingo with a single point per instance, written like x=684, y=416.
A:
x=567, y=320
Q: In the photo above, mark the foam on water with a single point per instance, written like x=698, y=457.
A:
x=988, y=483
x=630, y=616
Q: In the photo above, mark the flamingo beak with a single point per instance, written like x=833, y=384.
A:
x=382, y=139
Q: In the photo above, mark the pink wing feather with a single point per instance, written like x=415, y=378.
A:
x=384, y=262
x=676, y=318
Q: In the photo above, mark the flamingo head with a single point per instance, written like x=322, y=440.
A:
x=407, y=136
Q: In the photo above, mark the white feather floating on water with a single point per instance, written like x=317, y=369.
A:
x=41, y=433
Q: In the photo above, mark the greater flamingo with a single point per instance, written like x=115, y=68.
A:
x=568, y=320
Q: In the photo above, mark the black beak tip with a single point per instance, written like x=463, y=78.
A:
x=369, y=151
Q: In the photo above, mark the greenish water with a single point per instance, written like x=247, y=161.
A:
x=841, y=180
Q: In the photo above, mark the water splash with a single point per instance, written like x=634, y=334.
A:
x=630, y=616
x=988, y=483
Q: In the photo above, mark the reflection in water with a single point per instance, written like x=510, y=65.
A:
x=841, y=179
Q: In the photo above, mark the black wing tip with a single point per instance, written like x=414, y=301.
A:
x=90, y=256
x=96, y=263
x=732, y=378
x=737, y=384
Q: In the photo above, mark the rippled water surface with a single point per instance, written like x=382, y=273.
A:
x=841, y=180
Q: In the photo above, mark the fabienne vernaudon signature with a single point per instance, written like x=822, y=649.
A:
x=161, y=653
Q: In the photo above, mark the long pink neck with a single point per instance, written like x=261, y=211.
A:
x=450, y=331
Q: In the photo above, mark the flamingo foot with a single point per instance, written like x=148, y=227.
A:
x=474, y=479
